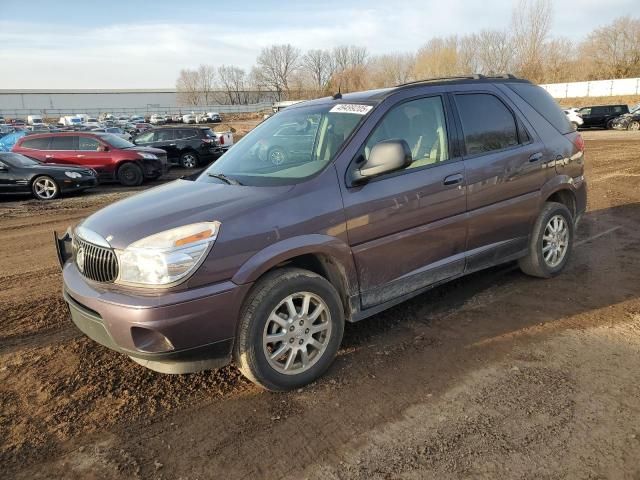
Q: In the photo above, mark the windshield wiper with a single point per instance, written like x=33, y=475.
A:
x=224, y=178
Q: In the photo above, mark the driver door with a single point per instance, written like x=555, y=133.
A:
x=407, y=229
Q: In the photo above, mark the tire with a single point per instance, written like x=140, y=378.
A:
x=634, y=125
x=609, y=125
x=45, y=188
x=277, y=156
x=291, y=336
x=189, y=160
x=575, y=126
x=541, y=263
x=130, y=175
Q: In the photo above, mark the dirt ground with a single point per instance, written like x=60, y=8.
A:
x=496, y=375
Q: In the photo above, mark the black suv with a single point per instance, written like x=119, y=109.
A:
x=601, y=116
x=187, y=147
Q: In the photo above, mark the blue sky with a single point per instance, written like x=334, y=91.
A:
x=136, y=44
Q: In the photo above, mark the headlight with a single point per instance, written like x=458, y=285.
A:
x=166, y=257
x=149, y=156
x=73, y=174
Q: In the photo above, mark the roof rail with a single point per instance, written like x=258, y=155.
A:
x=475, y=76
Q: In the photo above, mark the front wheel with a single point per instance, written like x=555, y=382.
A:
x=290, y=329
x=551, y=242
x=635, y=125
x=130, y=175
x=45, y=188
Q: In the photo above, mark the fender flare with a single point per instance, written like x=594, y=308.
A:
x=331, y=248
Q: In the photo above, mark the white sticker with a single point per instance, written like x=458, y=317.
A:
x=351, y=108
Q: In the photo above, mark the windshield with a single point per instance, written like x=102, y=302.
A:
x=635, y=108
x=292, y=145
x=117, y=142
x=17, y=160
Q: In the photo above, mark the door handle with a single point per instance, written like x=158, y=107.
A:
x=453, y=179
x=535, y=157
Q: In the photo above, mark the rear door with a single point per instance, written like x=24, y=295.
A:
x=62, y=149
x=505, y=165
x=165, y=139
x=90, y=153
x=407, y=229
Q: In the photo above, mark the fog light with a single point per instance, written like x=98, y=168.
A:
x=150, y=341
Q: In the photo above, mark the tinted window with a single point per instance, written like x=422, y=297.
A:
x=487, y=123
x=145, y=137
x=63, y=143
x=88, y=143
x=185, y=133
x=116, y=142
x=619, y=109
x=544, y=104
x=585, y=111
x=36, y=143
x=164, y=135
x=421, y=123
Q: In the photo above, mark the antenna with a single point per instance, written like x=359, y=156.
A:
x=338, y=95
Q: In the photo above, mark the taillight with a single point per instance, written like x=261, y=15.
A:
x=579, y=142
x=222, y=140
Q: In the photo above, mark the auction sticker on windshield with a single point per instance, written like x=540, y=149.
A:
x=351, y=108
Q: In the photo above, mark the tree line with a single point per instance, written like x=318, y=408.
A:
x=525, y=48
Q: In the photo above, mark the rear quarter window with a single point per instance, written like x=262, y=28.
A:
x=544, y=104
x=36, y=143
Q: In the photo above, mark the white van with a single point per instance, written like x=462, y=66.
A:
x=34, y=120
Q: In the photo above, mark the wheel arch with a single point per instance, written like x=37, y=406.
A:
x=326, y=256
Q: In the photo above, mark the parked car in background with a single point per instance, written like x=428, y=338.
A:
x=23, y=175
x=188, y=118
x=106, y=117
x=92, y=122
x=176, y=118
x=209, y=117
x=136, y=119
x=112, y=157
x=628, y=121
x=265, y=263
x=122, y=120
x=118, y=131
x=2, y=120
x=157, y=119
x=142, y=127
x=34, y=120
x=70, y=121
x=574, y=118
x=187, y=147
x=601, y=116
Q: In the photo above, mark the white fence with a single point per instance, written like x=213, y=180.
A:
x=596, y=88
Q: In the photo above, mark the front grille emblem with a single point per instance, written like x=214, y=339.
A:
x=80, y=259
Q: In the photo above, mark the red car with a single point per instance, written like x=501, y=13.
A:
x=112, y=157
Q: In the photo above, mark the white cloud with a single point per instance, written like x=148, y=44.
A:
x=150, y=55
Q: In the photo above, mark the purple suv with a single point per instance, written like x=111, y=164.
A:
x=372, y=198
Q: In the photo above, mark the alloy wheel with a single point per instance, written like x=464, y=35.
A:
x=189, y=161
x=45, y=188
x=297, y=333
x=635, y=125
x=555, y=241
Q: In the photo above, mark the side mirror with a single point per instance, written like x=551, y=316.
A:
x=385, y=157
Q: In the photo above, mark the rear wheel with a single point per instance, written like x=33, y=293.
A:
x=189, y=160
x=551, y=242
x=290, y=329
x=130, y=175
x=610, y=125
x=45, y=188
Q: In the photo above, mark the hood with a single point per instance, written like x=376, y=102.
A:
x=175, y=204
x=156, y=151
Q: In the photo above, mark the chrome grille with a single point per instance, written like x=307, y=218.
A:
x=97, y=263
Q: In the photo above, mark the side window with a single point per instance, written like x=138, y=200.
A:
x=421, y=123
x=164, y=135
x=585, y=111
x=598, y=110
x=146, y=137
x=36, y=143
x=63, y=143
x=618, y=109
x=487, y=123
x=185, y=133
x=88, y=144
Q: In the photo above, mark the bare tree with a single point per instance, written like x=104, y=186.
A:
x=559, y=61
x=276, y=66
x=232, y=80
x=531, y=23
x=350, y=62
x=188, y=87
x=391, y=69
x=207, y=83
x=614, y=49
x=319, y=65
x=438, y=58
x=494, y=51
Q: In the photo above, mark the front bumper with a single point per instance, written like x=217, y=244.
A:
x=173, y=332
x=69, y=185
